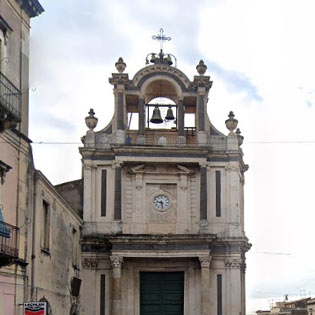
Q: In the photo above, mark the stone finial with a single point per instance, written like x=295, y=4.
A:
x=91, y=120
x=201, y=67
x=231, y=123
x=120, y=65
x=240, y=138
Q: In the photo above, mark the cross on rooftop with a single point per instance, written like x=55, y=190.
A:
x=161, y=37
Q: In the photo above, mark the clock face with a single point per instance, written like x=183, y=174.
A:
x=161, y=203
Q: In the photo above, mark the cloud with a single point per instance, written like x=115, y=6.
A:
x=236, y=82
x=309, y=104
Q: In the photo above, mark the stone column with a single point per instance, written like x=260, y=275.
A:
x=201, y=112
x=120, y=110
x=205, y=284
x=89, y=191
x=141, y=106
x=181, y=139
x=243, y=287
x=117, y=262
x=120, y=117
x=202, y=135
x=233, y=266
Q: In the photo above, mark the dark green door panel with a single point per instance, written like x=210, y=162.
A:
x=161, y=293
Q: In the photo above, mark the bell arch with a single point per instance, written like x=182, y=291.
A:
x=161, y=85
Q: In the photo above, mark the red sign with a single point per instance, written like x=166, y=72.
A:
x=35, y=308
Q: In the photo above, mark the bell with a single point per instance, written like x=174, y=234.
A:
x=153, y=58
x=156, y=117
x=169, y=60
x=169, y=114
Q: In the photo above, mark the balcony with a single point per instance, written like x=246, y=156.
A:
x=10, y=103
x=153, y=136
x=9, y=252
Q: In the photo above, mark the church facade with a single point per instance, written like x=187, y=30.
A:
x=163, y=193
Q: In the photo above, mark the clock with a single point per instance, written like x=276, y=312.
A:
x=161, y=202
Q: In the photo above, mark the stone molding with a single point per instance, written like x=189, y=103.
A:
x=116, y=261
x=160, y=68
x=234, y=263
x=205, y=261
x=89, y=263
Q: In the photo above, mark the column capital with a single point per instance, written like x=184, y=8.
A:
x=233, y=263
x=89, y=263
x=205, y=261
x=117, y=164
x=116, y=261
x=203, y=164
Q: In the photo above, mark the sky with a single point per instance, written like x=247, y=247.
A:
x=260, y=56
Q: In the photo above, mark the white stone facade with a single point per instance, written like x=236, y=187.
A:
x=175, y=206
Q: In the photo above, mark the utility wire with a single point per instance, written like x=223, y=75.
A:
x=270, y=253
x=246, y=142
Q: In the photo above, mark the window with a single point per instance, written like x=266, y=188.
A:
x=5, y=30
x=218, y=193
x=74, y=248
x=102, y=295
x=219, y=294
x=48, y=307
x=45, y=226
x=103, y=193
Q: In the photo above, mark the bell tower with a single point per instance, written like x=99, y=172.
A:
x=163, y=199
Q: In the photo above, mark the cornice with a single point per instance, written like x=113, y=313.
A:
x=32, y=7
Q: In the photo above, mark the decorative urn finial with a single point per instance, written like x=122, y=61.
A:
x=231, y=123
x=120, y=65
x=91, y=120
x=201, y=67
x=240, y=138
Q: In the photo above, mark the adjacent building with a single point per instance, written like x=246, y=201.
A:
x=296, y=307
x=39, y=230
x=15, y=151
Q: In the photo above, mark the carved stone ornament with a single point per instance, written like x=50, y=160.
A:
x=240, y=138
x=4, y=169
x=89, y=263
x=231, y=123
x=120, y=65
x=116, y=261
x=205, y=261
x=243, y=267
x=91, y=120
x=201, y=67
x=236, y=263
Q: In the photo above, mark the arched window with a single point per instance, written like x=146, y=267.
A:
x=73, y=310
x=5, y=30
x=48, y=308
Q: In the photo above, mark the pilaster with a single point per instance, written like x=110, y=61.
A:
x=205, y=284
x=116, y=262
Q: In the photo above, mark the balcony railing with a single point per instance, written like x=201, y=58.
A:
x=10, y=99
x=8, y=243
x=153, y=136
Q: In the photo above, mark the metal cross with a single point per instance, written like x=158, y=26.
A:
x=161, y=37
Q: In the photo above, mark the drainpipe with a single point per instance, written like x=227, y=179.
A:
x=34, y=237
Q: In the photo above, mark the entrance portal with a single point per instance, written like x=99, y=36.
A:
x=161, y=293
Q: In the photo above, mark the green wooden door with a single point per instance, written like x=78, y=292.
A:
x=161, y=293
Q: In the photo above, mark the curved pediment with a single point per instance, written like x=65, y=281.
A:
x=159, y=72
